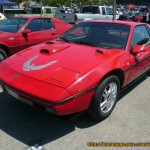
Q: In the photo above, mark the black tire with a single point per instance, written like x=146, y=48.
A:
x=102, y=96
x=3, y=55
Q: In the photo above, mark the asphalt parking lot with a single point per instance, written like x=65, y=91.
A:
x=22, y=126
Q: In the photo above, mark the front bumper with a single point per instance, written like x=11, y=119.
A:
x=44, y=95
x=73, y=104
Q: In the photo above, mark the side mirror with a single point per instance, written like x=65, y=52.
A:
x=139, y=49
x=26, y=31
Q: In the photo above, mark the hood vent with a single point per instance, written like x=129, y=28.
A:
x=45, y=51
x=49, y=42
x=53, y=49
x=99, y=51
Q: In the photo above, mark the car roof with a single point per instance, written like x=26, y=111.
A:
x=130, y=23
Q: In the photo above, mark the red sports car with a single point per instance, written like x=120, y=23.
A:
x=83, y=69
x=138, y=17
x=21, y=32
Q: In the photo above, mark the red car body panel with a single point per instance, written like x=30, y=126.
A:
x=138, y=18
x=14, y=42
x=72, y=72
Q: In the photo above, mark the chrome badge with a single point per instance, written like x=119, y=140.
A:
x=27, y=66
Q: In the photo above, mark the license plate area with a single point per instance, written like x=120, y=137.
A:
x=12, y=93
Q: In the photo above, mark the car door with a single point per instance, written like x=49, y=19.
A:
x=42, y=29
x=103, y=12
x=109, y=13
x=140, y=62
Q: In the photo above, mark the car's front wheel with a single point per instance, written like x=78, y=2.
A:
x=3, y=55
x=105, y=98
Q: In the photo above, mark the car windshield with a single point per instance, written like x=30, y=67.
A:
x=90, y=9
x=126, y=14
x=12, y=24
x=139, y=14
x=47, y=10
x=99, y=34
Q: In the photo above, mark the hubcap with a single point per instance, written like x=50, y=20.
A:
x=108, y=97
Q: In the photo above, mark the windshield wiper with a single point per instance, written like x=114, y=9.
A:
x=62, y=38
x=105, y=47
x=86, y=43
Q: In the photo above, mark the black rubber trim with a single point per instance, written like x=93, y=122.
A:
x=30, y=97
x=138, y=62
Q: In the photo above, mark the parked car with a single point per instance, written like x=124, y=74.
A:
x=127, y=16
x=2, y=17
x=83, y=69
x=138, y=17
x=13, y=12
x=44, y=10
x=92, y=12
x=34, y=10
x=21, y=32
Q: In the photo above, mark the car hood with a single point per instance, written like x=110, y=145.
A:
x=58, y=63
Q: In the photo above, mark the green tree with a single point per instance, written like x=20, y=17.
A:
x=68, y=2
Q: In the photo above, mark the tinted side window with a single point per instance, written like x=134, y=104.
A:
x=47, y=24
x=103, y=11
x=90, y=9
x=55, y=10
x=40, y=24
x=34, y=25
x=47, y=10
x=36, y=10
x=140, y=36
x=109, y=11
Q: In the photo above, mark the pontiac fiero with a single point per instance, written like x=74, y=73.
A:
x=83, y=70
x=22, y=32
